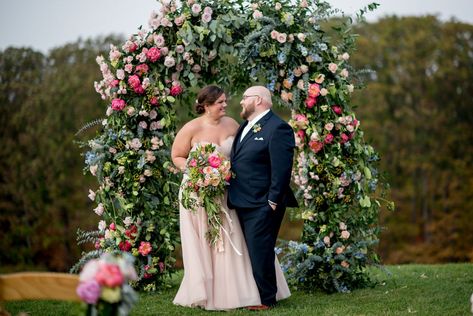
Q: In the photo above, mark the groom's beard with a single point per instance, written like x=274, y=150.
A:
x=247, y=111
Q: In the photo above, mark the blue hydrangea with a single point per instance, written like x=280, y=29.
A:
x=282, y=57
x=323, y=46
x=90, y=158
x=277, y=250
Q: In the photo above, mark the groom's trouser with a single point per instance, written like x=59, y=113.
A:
x=260, y=227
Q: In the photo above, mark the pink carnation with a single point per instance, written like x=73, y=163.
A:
x=176, y=90
x=109, y=275
x=328, y=139
x=337, y=109
x=153, y=54
x=118, y=104
x=214, y=161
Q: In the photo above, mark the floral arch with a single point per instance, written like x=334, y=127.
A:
x=234, y=43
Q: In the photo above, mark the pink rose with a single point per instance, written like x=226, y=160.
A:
x=112, y=226
x=139, y=90
x=193, y=163
x=125, y=245
x=214, y=161
x=153, y=54
x=145, y=248
x=118, y=104
x=176, y=90
x=132, y=47
x=109, y=275
x=206, y=17
x=345, y=264
x=328, y=139
x=281, y=38
x=345, y=234
x=141, y=69
x=114, y=83
x=310, y=102
x=337, y=109
x=89, y=291
x=301, y=134
x=345, y=138
x=314, y=90
x=134, y=81
x=333, y=67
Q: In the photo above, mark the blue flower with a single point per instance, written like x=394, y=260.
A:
x=277, y=250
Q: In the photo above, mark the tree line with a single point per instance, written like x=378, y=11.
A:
x=414, y=109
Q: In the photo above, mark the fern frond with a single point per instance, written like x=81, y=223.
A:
x=89, y=125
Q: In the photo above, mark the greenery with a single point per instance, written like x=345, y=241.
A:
x=410, y=289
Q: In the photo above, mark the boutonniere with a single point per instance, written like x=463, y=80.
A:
x=256, y=128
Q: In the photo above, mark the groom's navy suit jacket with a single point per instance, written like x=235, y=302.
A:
x=262, y=163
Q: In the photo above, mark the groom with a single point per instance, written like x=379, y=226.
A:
x=261, y=159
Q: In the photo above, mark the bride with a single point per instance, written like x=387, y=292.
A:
x=220, y=277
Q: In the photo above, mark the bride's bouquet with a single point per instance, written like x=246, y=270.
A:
x=208, y=172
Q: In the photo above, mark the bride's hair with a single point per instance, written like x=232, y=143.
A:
x=207, y=96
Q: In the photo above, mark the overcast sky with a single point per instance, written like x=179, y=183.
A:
x=49, y=23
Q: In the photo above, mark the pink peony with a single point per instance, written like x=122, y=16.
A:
x=176, y=90
x=134, y=81
x=328, y=139
x=310, y=102
x=118, y=104
x=109, y=275
x=153, y=54
x=337, y=109
x=145, y=248
x=89, y=291
x=214, y=161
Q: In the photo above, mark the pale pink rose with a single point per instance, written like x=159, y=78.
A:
x=208, y=10
x=179, y=49
x=121, y=74
x=153, y=114
x=143, y=125
x=281, y=38
x=345, y=56
x=179, y=20
x=312, y=20
x=344, y=73
x=89, y=270
x=118, y=104
x=297, y=72
x=327, y=240
x=304, y=69
x=345, y=234
x=278, y=6
x=128, y=68
x=342, y=226
x=190, y=2
x=155, y=125
x=193, y=163
x=274, y=34
x=340, y=250
x=153, y=54
x=301, y=37
x=290, y=38
x=323, y=92
x=206, y=17
x=304, y=4
x=315, y=136
x=214, y=161
x=159, y=40
x=147, y=173
x=99, y=209
x=257, y=14
x=345, y=264
x=300, y=84
x=196, y=8
x=143, y=113
x=109, y=111
x=350, y=128
x=135, y=143
x=142, y=179
x=254, y=5
x=176, y=89
x=164, y=51
x=333, y=67
x=93, y=169
x=91, y=195
x=169, y=61
x=329, y=126
x=150, y=157
x=328, y=139
x=128, y=221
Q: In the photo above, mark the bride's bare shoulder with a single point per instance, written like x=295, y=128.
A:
x=192, y=126
x=230, y=123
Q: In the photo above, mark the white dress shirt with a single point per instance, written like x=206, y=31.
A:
x=252, y=123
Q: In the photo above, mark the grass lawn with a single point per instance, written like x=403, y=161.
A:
x=411, y=289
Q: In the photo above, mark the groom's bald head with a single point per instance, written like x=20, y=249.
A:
x=263, y=93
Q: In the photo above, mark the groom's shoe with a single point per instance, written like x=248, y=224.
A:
x=261, y=307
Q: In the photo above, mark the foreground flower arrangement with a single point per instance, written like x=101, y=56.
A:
x=104, y=285
x=281, y=44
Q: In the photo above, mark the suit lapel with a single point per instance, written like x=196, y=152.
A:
x=236, y=141
x=250, y=133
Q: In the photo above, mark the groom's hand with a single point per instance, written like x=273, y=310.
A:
x=273, y=205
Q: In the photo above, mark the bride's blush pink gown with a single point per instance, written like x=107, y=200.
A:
x=218, y=278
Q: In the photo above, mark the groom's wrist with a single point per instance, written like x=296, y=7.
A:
x=272, y=204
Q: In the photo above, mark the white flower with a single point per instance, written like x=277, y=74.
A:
x=93, y=169
x=120, y=74
x=323, y=92
x=344, y=73
x=148, y=173
x=121, y=170
x=130, y=111
x=135, y=143
x=169, y=61
x=345, y=234
x=257, y=14
x=329, y=126
x=102, y=225
x=333, y=67
x=301, y=37
x=277, y=6
x=91, y=195
x=109, y=111
x=350, y=88
x=128, y=221
x=143, y=125
x=99, y=209
x=342, y=226
x=196, y=8
x=281, y=38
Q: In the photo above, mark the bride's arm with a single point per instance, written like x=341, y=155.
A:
x=181, y=147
